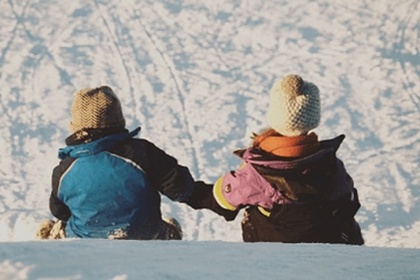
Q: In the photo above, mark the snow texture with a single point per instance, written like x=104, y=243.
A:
x=195, y=75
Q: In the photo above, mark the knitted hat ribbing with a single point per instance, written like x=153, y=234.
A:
x=294, y=107
x=96, y=108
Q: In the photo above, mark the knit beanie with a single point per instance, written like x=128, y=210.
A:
x=96, y=108
x=294, y=107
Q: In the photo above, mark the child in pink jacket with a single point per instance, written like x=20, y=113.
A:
x=292, y=185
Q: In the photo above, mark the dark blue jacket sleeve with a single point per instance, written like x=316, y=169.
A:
x=163, y=171
x=175, y=181
x=57, y=207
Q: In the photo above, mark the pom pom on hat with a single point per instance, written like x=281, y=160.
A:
x=294, y=107
x=96, y=108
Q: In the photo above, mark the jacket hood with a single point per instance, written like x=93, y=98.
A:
x=260, y=157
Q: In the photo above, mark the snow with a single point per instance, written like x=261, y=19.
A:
x=195, y=76
x=119, y=260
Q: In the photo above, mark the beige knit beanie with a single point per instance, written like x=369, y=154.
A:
x=96, y=108
x=294, y=107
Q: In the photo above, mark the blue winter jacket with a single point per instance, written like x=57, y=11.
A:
x=112, y=184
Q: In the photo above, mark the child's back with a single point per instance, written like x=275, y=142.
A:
x=294, y=187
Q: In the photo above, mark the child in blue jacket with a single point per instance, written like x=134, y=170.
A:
x=108, y=183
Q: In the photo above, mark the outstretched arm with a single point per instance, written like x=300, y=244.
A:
x=175, y=182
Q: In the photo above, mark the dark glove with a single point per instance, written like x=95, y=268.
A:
x=202, y=198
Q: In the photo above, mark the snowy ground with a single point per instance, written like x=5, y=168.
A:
x=195, y=76
x=204, y=260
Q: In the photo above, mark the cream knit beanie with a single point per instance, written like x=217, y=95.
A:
x=96, y=108
x=294, y=107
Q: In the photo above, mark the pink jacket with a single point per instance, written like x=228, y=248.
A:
x=246, y=186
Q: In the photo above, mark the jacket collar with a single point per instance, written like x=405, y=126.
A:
x=96, y=146
x=87, y=135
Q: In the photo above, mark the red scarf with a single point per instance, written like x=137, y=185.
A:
x=298, y=146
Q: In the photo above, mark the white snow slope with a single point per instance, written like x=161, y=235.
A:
x=195, y=76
